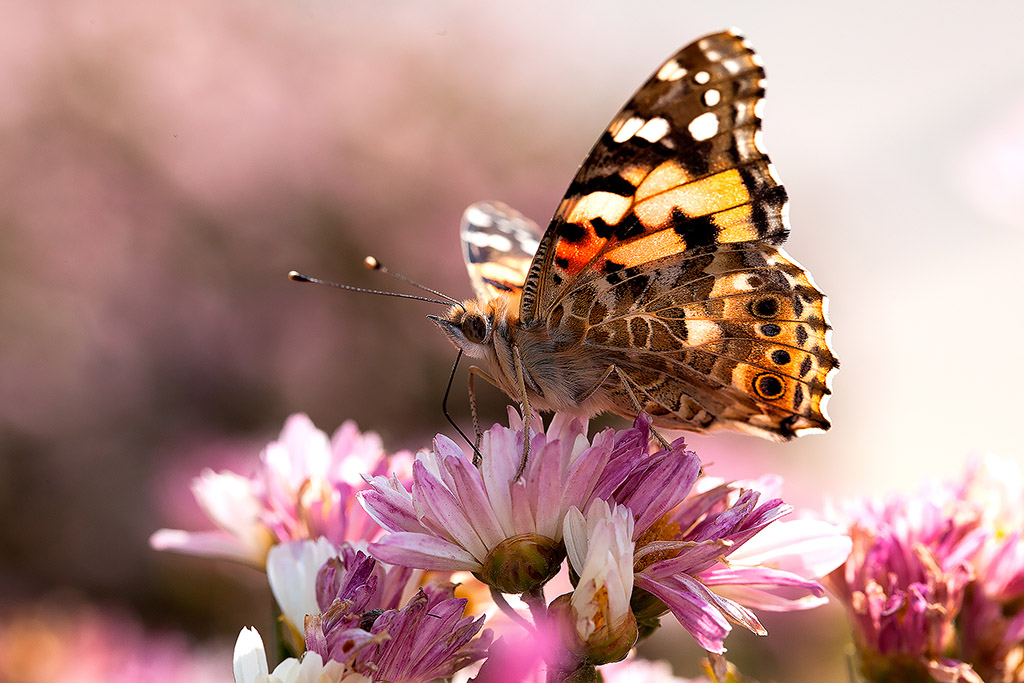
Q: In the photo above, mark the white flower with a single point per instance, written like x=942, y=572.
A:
x=250, y=665
x=600, y=549
x=291, y=570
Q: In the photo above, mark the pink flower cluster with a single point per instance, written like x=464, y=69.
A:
x=935, y=584
x=361, y=566
x=304, y=488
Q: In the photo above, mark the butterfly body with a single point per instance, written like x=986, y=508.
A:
x=659, y=284
x=558, y=372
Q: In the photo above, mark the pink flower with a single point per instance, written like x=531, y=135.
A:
x=63, y=640
x=505, y=529
x=905, y=583
x=304, y=488
x=691, y=562
x=428, y=638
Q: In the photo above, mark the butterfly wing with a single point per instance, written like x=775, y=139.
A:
x=663, y=258
x=498, y=244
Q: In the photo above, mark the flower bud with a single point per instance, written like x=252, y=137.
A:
x=606, y=643
x=522, y=563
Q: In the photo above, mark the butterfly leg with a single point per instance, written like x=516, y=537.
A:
x=517, y=360
x=475, y=372
x=627, y=385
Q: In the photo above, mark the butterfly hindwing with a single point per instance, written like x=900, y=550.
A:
x=735, y=338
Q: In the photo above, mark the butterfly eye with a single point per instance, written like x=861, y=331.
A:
x=475, y=328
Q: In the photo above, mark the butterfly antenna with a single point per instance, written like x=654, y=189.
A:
x=373, y=264
x=299, y=277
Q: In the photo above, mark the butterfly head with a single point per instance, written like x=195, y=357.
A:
x=469, y=328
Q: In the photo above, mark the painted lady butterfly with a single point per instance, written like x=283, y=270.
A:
x=659, y=283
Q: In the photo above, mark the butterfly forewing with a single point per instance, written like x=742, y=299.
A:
x=662, y=258
x=498, y=244
x=680, y=167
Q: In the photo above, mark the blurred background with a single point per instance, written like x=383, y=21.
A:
x=163, y=165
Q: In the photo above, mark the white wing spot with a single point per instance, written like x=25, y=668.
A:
x=654, y=130
x=477, y=216
x=628, y=129
x=759, y=108
x=774, y=173
x=742, y=110
x=492, y=240
x=704, y=126
x=671, y=71
x=733, y=66
x=712, y=97
x=700, y=332
x=702, y=77
x=757, y=59
x=759, y=142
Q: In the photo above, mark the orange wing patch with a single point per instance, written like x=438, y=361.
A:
x=657, y=245
x=698, y=198
x=663, y=178
x=735, y=225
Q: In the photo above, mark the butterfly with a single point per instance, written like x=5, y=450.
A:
x=659, y=285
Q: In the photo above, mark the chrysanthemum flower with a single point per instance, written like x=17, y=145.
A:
x=304, y=488
x=936, y=580
x=426, y=639
x=904, y=584
x=600, y=550
x=507, y=530
x=992, y=620
x=689, y=561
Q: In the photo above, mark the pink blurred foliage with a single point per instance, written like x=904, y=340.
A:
x=70, y=641
x=163, y=167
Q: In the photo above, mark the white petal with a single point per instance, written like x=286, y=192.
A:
x=574, y=533
x=809, y=548
x=291, y=571
x=211, y=544
x=250, y=657
x=228, y=499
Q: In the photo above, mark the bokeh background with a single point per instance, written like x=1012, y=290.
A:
x=163, y=165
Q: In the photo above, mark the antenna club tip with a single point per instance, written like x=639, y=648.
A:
x=297, y=276
x=371, y=263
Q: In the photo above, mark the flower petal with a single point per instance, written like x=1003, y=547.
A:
x=423, y=552
x=250, y=657
x=291, y=571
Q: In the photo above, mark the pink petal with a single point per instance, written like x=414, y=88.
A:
x=209, y=544
x=423, y=552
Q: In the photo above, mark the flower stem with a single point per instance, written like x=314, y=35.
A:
x=509, y=611
x=534, y=599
